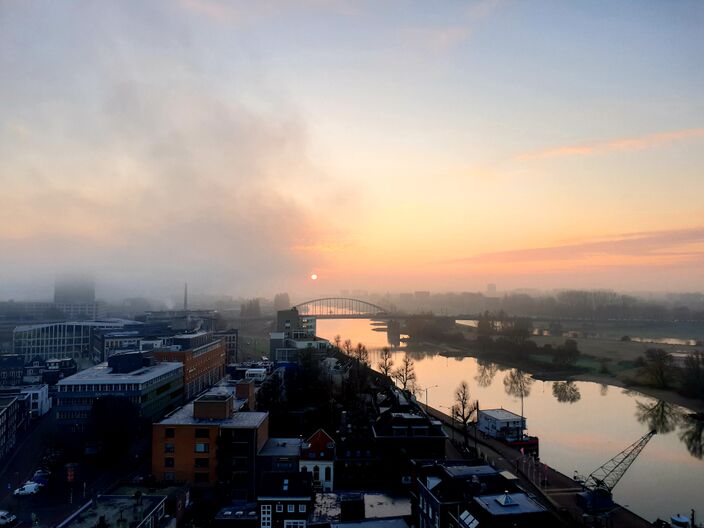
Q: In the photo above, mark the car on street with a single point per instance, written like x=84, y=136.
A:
x=29, y=488
x=6, y=518
x=41, y=473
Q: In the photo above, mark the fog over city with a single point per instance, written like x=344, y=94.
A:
x=243, y=148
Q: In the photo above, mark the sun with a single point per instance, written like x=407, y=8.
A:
x=313, y=277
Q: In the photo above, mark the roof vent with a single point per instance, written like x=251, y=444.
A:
x=506, y=500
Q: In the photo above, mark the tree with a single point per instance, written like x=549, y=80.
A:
x=114, y=422
x=567, y=354
x=463, y=409
x=347, y=347
x=658, y=366
x=661, y=416
x=405, y=375
x=693, y=375
x=337, y=339
x=517, y=383
x=485, y=325
x=361, y=355
x=282, y=301
x=386, y=363
x=566, y=391
x=486, y=371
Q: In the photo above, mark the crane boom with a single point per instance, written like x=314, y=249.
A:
x=606, y=476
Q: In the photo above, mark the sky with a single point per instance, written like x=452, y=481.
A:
x=386, y=145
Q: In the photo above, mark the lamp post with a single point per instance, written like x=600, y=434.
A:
x=426, y=395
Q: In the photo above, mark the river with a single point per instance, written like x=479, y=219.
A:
x=581, y=425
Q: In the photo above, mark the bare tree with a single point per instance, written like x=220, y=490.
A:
x=347, y=347
x=463, y=410
x=361, y=354
x=337, y=341
x=386, y=362
x=405, y=375
x=658, y=367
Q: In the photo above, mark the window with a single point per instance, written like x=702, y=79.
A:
x=265, y=518
x=294, y=524
x=202, y=448
x=328, y=473
x=169, y=448
x=291, y=508
x=301, y=508
x=202, y=433
x=169, y=462
x=279, y=508
x=169, y=432
x=201, y=463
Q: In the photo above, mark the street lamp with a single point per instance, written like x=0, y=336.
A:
x=426, y=395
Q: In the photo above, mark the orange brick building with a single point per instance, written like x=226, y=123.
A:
x=208, y=441
x=203, y=357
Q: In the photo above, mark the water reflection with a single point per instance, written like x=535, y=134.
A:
x=692, y=436
x=566, y=391
x=604, y=390
x=660, y=416
x=486, y=370
x=517, y=383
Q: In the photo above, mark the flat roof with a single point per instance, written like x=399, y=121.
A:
x=500, y=414
x=508, y=504
x=112, y=508
x=113, y=321
x=282, y=447
x=239, y=419
x=469, y=471
x=372, y=523
x=103, y=372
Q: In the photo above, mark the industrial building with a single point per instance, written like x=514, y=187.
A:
x=61, y=340
x=154, y=388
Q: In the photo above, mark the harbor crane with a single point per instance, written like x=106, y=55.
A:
x=597, y=496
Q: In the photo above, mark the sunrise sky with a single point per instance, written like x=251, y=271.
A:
x=388, y=145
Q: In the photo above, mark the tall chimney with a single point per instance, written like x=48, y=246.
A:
x=185, y=297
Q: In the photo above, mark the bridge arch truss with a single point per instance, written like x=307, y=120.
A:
x=340, y=308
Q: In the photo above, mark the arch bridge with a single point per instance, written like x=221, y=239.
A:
x=340, y=308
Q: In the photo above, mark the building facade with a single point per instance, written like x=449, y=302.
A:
x=38, y=400
x=11, y=369
x=203, y=358
x=154, y=389
x=13, y=419
x=210, y=441
x=60, y=340
x=318, y=458
x=285, y=500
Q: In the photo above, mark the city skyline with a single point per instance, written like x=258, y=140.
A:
x=385, y=147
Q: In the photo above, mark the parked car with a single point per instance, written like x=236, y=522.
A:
x=6, y=518
x=41, y=473
x=29, y=488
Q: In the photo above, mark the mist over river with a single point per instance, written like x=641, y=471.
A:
x=580, y=424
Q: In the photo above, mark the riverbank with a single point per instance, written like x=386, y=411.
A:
x=545, y=372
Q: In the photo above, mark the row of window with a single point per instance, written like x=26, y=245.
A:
x=170, y=432
x=198, y=463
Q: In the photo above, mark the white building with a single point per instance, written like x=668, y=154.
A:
x=501, y=424
x=70, y=339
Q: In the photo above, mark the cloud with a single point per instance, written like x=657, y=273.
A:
x=445, y=38
x=153, y=175
x=665, y=246
x=615, y=145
